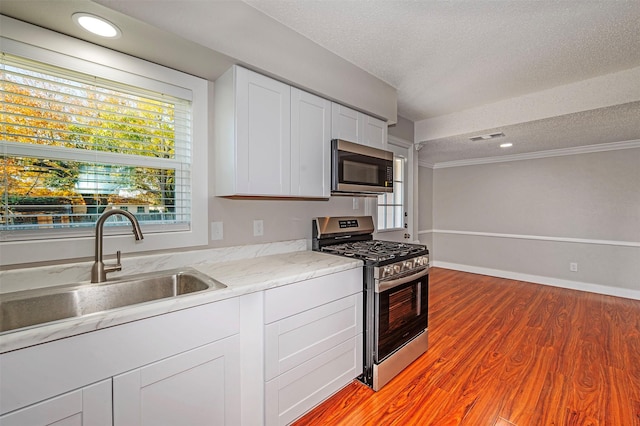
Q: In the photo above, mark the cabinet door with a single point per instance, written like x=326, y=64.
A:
x=198, y=387
x=292, y=394
x=263, y=121
x=89, y=406
x=310, y=145
x=345, y=123
x=375, y=132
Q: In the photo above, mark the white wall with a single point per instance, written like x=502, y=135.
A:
x=425, y=206
x=530, y=219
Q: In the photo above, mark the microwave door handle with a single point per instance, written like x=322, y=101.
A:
x=388, y=285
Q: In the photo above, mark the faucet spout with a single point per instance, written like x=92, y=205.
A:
x=99, y=269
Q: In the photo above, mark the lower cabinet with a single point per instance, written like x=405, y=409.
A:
x=314, y=349
x=199, y=387
x=181, y=368
x=90, y=405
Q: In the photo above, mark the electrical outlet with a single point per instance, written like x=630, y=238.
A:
x=573, y=267
x=258, y=228
x=217, y=232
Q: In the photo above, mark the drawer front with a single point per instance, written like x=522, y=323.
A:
x=298, y=338
x=292, y=394
x=282, y=302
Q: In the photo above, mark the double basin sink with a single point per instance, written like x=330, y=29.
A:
x=31, y=308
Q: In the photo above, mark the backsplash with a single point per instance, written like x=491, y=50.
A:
x=47, y=276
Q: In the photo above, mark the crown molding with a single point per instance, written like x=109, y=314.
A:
x=614, y=146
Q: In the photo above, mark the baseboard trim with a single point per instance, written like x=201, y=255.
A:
x=537, y=279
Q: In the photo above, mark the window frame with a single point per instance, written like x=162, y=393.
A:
x=403, y=205
x=56, y=49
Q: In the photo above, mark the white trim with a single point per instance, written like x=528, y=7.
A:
x=541, y=154
x=537, y=279
x=425, y=231
x=393, y=140
x=52, y=44
x=423, y=163
x=539, y=238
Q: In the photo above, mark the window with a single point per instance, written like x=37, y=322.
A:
x=391, y=205
x=74, y=144
x=84, y=128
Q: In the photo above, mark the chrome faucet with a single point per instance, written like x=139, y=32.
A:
x=99, y=269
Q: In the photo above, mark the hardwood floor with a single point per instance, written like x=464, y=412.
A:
x=504, y=352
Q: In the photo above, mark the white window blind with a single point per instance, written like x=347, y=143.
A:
x=73, y=144
x=391, y=205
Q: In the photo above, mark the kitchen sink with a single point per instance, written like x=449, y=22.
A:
x=34, y=307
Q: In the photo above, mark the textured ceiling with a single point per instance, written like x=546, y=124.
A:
x=603, y=125
x=445, y=57
x=451, y=61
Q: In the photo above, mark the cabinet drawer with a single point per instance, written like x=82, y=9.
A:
x=297, y=391
x=296, y=339
x=282, y=302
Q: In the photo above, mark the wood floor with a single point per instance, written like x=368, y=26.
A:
x=504, y=352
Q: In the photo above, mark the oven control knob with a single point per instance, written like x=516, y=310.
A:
x=397, y=268
x=408, y=265
x=388, y=270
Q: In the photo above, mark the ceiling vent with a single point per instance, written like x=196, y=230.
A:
x=486, y=137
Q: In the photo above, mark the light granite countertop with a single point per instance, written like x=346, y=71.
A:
x=241, y=276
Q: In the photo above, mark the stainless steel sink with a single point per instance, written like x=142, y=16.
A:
x=34, y=307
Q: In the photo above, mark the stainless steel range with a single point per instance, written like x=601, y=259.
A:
x=396, y=293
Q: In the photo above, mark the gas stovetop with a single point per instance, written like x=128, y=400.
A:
x=375, y=250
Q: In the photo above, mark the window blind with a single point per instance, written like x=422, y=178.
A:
x=73, y=145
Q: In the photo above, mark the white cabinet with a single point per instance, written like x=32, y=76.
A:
x=310, y=145
x=354, y=126
x=313, y=347
x=252, y=134
x=270, y=139
x=198, y=387
x=173, y=366
x=89, y=406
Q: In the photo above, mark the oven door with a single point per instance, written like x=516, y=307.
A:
x=360, y=168
x=401, y=306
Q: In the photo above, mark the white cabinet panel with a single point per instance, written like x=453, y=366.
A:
x=345, y=123
x=375, y=132
x=354, y=126
x=298, y=338
x=310, y=145
x=263, y=109
x=252, y=134
x=90, y=406
x=295, y=392
x=288, y=300
x=198, y=387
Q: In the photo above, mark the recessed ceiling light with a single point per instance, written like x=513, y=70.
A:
x=506, y=145
x=96, y=25
x=486, y=137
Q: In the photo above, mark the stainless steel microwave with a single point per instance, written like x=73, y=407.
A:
x=358, y=168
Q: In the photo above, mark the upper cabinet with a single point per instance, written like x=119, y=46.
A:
x=270, y=139
x=310, y=145
x=354, y=126
x=274, y=140
x=252, y=134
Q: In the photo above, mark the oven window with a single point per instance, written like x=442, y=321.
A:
x=403, y=306
x=402, y=314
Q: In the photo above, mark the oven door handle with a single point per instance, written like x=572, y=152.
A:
x=387, y=285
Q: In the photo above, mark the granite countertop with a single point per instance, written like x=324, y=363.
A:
x=242, y=276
